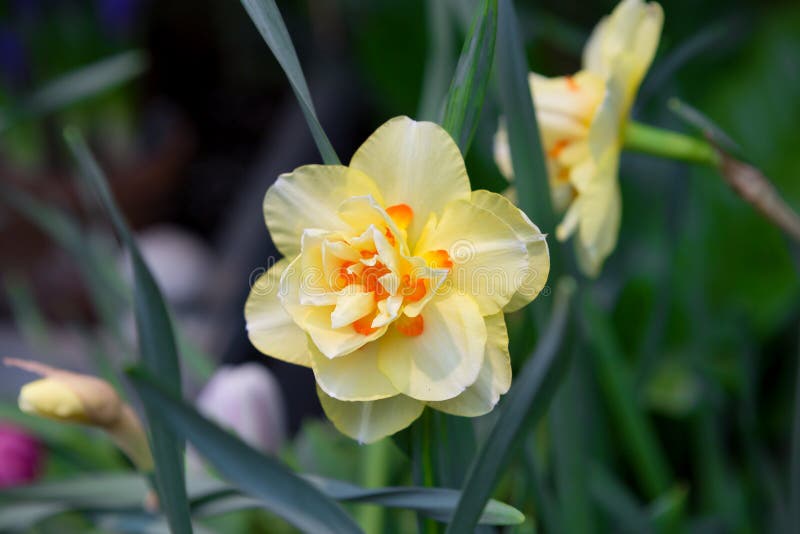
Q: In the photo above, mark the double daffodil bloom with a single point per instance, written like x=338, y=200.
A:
x=70, y=397
x=581, y=120
x=395, y=280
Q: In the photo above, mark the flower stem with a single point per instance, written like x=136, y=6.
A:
x=667, y=144
x=424, y=472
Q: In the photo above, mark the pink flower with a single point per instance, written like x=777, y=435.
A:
x=247, y=400
x=20, y=457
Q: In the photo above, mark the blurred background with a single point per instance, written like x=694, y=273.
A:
x=193, y=119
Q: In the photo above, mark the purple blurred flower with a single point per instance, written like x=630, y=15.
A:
x=20, y=457
x=14, y=68
x=117, y=16
x=247, y=400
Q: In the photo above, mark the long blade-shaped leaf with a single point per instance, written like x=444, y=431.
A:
x=638, y=435
x=211, y=496
x=268, y=20
x=156, y=345
x=277, y=488
x=525, y=403
x=468, y=89
x=77, y=85
x=437, y=503
x=439, y=64
x=530, y=174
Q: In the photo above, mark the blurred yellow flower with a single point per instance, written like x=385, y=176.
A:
x=581, y=119
x=395, y=280
x=75, y=398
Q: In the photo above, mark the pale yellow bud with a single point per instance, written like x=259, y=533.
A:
x=75, y=398
x=50, y=398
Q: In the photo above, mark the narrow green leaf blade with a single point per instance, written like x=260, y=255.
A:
x=439, y=63
x=96, y=491
x=438, y=503
x=530, y=173
x=616, y=382
x=156, y=344
x=525, y=403
x=277, y=488
x=468, y=88
x=80, y=84
x=268, y=20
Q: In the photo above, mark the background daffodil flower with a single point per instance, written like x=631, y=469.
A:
x=394, y=281
x=581, y=120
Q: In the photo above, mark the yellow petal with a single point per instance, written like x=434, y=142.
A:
x=51, y=398
x=445, y=358
x=488, y=257
x=534, y=276
x=600, y=211
x=309, y=197
x=316, y=320
x=493, y=380
x=502, y=151
x=575, y=97
x=351, y=305
x=353, y=377
x=372, y=420
x=414, y=163
x=270, y=329
x=625, y=40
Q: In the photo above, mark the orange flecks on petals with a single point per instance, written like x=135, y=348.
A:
x=369, y=279
x=364, y=325
x=438, y=259
x=390, y=237
x=558, y=146
x=343, y=277
x=401, y=214
x=367, y=254
x=413, y=291
x=410, y=326
x=572, y=85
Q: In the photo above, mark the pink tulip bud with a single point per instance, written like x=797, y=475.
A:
x=247, y=400
x=20, y=457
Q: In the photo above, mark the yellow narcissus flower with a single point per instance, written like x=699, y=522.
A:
x=70, y=397
x=395, y=280
x=581, y=119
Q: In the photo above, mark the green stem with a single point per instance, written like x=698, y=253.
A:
x=667, y=144
x=424, y=472
x=375, y=475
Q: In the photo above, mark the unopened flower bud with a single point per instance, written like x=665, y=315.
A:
x=76, y=398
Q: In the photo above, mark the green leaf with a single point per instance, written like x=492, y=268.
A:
x=106, y=289
x=277, y=488
x=23, y=516
x=530, y=173
x=96, y=491
x=268, y=20
x=527, y=400
x=439, y=63
x=211, y=496
x=616, y=383
x=437, y=503
x=156, y=345
x=468, y=88
x=77, y=85
x=627, y=515
x=694, y=117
